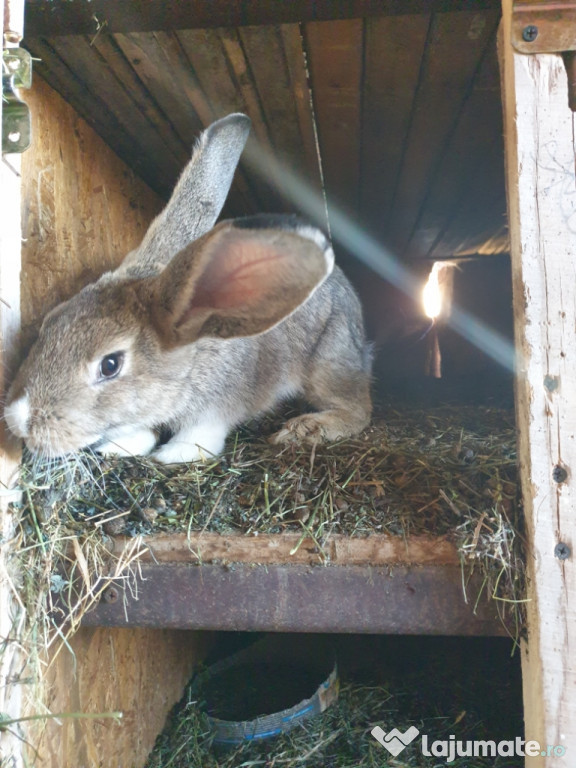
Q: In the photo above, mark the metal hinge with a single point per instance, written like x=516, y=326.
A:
x=16, y=122
x=546, y=26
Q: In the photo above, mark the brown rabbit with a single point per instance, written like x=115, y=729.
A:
x=198, y=330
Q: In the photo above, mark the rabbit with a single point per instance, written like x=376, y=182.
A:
x=198, y=330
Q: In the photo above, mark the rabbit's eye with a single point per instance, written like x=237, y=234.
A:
x=111, y=364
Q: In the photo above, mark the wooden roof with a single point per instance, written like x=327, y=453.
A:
x=395, y=116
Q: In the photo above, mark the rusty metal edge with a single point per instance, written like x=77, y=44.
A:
x=412, y=600
x=552, y=26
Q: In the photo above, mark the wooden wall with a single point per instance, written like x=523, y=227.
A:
x=83, y=210
x=140, y=672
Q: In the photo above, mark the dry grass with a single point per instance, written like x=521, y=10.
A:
x=62, y=568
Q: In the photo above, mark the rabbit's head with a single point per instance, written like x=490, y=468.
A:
x=51, y=385
x=121, y=352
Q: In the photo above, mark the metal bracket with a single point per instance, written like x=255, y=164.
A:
x=16, y=121
x=541, y=26
x=548, y=26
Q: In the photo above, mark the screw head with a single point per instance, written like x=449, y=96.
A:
x=559, y=474
x=562, y=551
x=110, y=595
x=530, y=33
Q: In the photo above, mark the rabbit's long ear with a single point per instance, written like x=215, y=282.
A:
x=236, y=282
x=197, y=198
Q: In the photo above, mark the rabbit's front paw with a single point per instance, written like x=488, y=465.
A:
x=137, y=443
x=198, y=443
x=175, y=452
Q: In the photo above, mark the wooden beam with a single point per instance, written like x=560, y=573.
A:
x=404, y=599
x=287, y=582
x=394, y=46
x=334, y=55
x=293, y=548
x=48, y=18
x=443, y=91
x=12, y=660
x=541, y=182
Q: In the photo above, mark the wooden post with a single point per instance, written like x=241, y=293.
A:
x=540, y=166
x=12, y=17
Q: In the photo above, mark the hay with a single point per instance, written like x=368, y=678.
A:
x=62, y=568
x=65, y=565
x=447, y=471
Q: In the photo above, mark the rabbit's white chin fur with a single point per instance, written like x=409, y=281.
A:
x=196, y=443
x=137, y=442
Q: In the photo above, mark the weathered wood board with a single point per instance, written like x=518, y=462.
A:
x=82, y=210
x=540, y=164
x=403, y=97
x=11, y=613
x=139, y=672
x=295, y=549
x=292, y=583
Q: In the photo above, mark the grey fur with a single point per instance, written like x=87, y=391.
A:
x=213, y=330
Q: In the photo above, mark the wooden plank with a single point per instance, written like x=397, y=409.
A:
x=541, y=183
x=205, y=52
x=462, y=170
x=334, y=52
x=265, y=55
x=394, y=49
x=456, y=44
x=163, y=68
x=109, y=58
x=94, y=110
x=170, y=80
x=208, y=55
x=77, y=224
x=12, y=656
x=139, y=672
x=293, y=43
x=293, y=548
x=101, y=80
x=60, y=17
x=275, y=56
x=244, y=79
x=267, y=182
x=299, y=598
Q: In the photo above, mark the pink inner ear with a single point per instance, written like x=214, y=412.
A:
x=237, y=275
